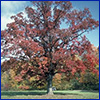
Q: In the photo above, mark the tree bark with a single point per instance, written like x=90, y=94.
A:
x=49, y=86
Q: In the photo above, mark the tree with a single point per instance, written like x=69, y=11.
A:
x=8, y=81
x=39, y=38
x=90, y=79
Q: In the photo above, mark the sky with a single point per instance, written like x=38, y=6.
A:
x=9, y=8
x=93, y=6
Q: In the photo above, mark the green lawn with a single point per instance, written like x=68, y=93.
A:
x=41, y=94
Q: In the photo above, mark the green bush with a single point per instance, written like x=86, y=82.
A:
x=88, y=81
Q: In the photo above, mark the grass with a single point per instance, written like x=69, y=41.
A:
x=41, y=94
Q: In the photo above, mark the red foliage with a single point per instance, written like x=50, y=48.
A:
x=23, y=87
x=18, y=78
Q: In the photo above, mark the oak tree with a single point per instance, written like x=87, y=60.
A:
x=43, y=45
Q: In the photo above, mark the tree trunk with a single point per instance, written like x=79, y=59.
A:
x=49, y=87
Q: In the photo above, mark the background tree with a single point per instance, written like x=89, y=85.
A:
x=39, y=38
x=8, y=81
x=90, y=79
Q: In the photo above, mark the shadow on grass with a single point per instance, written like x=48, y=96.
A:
x=93, y=91
x=13, y=93
x=66, y=93
x=22, y=93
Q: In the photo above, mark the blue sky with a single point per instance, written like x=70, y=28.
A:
x=9, y=8
x=93, y=6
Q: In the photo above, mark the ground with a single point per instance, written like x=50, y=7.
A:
x=41, y=94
